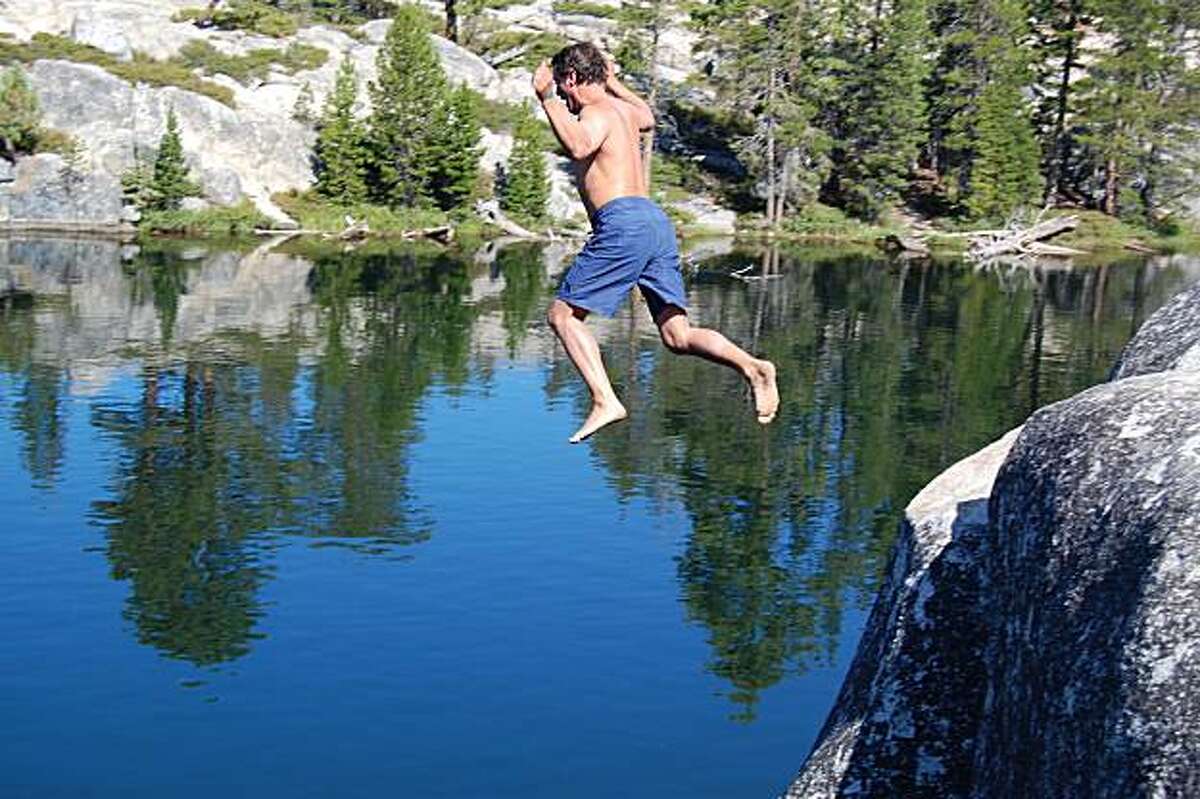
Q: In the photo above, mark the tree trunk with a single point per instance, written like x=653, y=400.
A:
x=771, y=187
x=1061, y=146
x=1110, y=187
x=452, y=20
x=648, y=136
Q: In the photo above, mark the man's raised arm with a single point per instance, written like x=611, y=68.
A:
x=580, y=138
x=644, y=115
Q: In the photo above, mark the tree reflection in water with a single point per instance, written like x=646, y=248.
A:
x=889, y=372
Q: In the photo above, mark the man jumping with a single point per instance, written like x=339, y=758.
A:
x=632, y=240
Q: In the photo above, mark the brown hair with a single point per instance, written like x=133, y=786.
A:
x=584, y=59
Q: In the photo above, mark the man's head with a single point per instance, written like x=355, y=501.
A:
x=577, y=66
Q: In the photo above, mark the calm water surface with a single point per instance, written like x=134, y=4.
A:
x=305, y=522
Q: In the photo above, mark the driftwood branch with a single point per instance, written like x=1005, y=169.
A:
x=1023, y=241
x=490, y=211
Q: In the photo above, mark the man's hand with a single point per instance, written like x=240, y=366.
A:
x=543, y=79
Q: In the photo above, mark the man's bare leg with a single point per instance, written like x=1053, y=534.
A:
x=584, y=352
x=680, y=337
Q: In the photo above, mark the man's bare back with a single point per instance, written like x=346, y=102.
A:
x=604, y=139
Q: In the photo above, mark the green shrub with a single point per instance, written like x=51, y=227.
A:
x=315, y=213
x=589, y=9
x=52, y=140
x=255, y=65
x=238, y=220
x=541, y=46
x=247, y=15
x=19, y=113
x=142, y=69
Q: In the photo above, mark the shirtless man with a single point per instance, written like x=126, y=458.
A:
x=632, y=240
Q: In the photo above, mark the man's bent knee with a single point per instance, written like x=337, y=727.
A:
x=675, y=336
x=559, y=313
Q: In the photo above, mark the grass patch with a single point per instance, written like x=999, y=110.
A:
x=314, y=212
x=675, y=177
x=237, y=220
x=587, y=9
x=142, y=69
x=541, y=46
x=246, y=15
x=824, y=223
x=256, y=64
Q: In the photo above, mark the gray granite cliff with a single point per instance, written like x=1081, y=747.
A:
x=1036, y=633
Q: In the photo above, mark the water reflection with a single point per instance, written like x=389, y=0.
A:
x=279, y=393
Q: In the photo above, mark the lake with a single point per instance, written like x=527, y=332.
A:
x=304, y=522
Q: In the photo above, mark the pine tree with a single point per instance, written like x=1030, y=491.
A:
x=526, y=188
x=1004, y=169
x=170, y=182
x=450, y=157
x=410, y=90
x=302, y=111
x=341, y=147
x=19, y=113
x=887, y=124
x=1140, y=102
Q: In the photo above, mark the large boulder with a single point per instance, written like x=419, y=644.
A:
x=907, y=712
x=1034, y=636
x=1169, y=339
x=1093, y=688
x=231, y=150
x=47, y=191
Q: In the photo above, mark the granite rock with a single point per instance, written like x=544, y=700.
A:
x=904, y=722
x=45, y=190
x=1036, y=633
x=1169, y=339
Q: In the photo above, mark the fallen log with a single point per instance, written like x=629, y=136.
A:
x=1017, y=241
x=1041, y=248
x=443, y=234
x=490, y=211
x=1137, y=246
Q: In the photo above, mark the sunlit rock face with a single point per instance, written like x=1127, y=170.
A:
x=1036, y=634
x=45, y=189
x=1170, y=339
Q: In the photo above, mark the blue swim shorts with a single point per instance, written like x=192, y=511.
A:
x=632, y=242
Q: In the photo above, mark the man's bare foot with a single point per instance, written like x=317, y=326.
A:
x=766, y=394
x=603, y=413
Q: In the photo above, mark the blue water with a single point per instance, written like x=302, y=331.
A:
x=244, y=561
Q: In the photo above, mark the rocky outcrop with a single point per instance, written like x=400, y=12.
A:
x=47, y=193
x=1035, y=635
x=1169, y=339
x=906, y=715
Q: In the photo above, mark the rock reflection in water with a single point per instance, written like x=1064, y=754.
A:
x=280, y=394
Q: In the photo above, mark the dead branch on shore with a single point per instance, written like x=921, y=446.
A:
x=490, y=211
x=990, y=244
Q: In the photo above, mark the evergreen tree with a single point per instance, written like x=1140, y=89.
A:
x=1140, y=102
x=1059, y=26
x=302, y=111
x=410, y=90
x=170, y=182
x=19, y=113
x=341, y=148
x=749, y=40
x=951, y=94
x=451, y=152
x=526, y=187
x=887, y=124
x=1004, y=170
